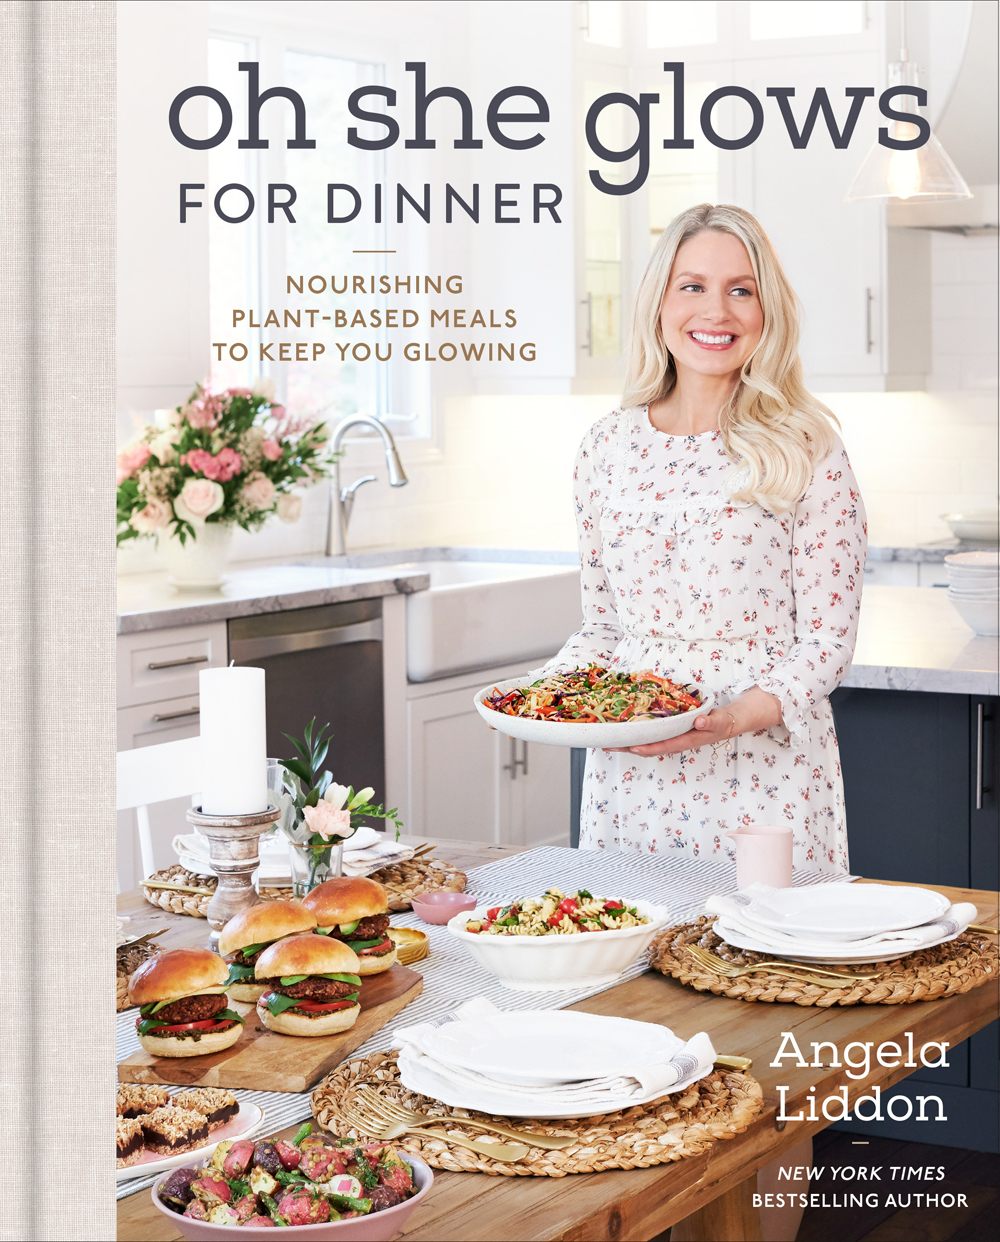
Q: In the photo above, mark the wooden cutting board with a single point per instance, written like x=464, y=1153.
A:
x=262, y=1060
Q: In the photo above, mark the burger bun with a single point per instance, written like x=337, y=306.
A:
x=289, y=1023
x=263, y=922
x=248, y=993
x=306, y=955
x=175, y=973
x=370, y=964
x=171, y=1046
x=345, y=899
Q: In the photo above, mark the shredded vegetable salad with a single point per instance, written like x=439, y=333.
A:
x=557, y=914
x=597, y=695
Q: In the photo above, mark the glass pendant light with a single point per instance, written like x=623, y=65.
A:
x=926, y=174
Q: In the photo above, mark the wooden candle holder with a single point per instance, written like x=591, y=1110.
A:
x=233, y=850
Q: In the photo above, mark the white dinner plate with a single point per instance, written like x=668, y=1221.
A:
x=569, y=733
x=546, y=1047
x=845, y=911
x=739, y=940
x=417, y=1076
x=247, y=1121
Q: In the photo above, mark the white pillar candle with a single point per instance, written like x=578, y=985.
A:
x=233, y=741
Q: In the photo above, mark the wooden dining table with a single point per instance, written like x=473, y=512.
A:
x=706, y=1197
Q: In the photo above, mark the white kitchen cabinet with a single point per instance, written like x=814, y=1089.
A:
x=468, y=782
x=158, y=702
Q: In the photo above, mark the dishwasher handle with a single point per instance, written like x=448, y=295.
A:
x=242, y=649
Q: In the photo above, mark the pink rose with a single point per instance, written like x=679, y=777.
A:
x=271, y=449
x=199, y=416
x=323, y=819
x=228, y=463
x=259, y=491
x=198, y=499
x=289, y=508
x=131, y=458
x=239, y=392
x=200, y=460
x=151, y=518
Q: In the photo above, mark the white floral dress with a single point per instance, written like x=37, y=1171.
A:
x=678, y=577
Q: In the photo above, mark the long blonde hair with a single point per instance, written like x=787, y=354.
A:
x=770, y=423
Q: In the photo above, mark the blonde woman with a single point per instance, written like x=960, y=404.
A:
x=722, y=542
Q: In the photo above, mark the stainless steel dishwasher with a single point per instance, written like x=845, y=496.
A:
x=324, y=662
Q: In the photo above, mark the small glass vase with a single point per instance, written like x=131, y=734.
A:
x=312, y=864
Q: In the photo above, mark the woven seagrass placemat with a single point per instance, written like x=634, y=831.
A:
x=402, y=881
x=944, y=970
x=673, y=1128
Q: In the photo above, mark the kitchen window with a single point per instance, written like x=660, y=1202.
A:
x=250, y=262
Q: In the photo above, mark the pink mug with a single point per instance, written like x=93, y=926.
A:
x=763, y=855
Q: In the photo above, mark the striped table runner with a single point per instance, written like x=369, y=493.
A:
x=451, y=977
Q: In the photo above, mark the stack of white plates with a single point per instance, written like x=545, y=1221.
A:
x=974, y=589
x=549, y=1062
x=838, y=923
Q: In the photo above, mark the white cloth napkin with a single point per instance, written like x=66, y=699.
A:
x=364, y=852
x=734, y=910
x=682, y=1062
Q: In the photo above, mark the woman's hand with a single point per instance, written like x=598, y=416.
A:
x=753, y=710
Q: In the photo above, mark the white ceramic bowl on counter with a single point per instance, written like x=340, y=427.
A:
x=981, y=524
x=981, y=615
x=560, y=963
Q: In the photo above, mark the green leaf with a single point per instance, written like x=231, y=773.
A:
x=250, y=949
x=230, y=1015
x=326, y=780
x=364, y=944
x=341, y=978
x=238, y=1187
x=277, y=1003
x=238, y=973
x=288, y=980
x=312, y=798
x=297, y=768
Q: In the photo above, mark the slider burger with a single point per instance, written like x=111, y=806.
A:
x=183, y=1007
x=246, y=936
x=311, y=985
x=355, y=911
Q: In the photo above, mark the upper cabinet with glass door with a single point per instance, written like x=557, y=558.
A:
x=863, y=288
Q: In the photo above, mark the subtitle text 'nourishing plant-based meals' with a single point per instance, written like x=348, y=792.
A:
x=597, y=695
x=559, y=914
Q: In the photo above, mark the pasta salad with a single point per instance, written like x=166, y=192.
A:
x=557, y=914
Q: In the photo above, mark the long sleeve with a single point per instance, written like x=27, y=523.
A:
x=828, y=556
x=601, y=632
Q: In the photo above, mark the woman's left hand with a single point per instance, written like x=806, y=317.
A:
x=756, y=709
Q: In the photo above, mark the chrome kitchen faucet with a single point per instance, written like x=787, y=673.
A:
x=342, y=498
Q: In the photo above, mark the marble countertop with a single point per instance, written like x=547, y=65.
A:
x=911, y=638
x=927, y=553
x=149, y=602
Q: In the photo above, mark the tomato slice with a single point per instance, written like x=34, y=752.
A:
x=311, y=1006
x=377, y=948
x=205, y=1024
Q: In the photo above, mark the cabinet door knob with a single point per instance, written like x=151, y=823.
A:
x=190, y=711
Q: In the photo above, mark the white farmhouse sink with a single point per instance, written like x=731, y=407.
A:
x=481, y=614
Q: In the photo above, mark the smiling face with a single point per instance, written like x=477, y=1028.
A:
x=711, y=317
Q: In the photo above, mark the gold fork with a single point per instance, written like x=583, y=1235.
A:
x=391, y=1112
x=363, y=1121
x=784, y=970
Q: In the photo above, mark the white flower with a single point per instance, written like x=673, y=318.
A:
x=162, y=447
x=198, y=499
x=360, y=798
x=289, y=508
x=263, y=386
x=336, y=795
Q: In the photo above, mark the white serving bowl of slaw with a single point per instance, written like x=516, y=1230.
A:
x=560, y=963
x=574, y=733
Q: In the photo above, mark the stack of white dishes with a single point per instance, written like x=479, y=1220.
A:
x=838, y=923
x=546, y=1062
x=974, y=589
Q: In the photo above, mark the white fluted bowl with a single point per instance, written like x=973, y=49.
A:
x=981, y=615
x=560, y=963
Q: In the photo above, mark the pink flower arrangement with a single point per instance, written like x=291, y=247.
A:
x=232, y=458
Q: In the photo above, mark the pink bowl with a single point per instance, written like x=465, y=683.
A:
x=440, y=907
x=377, y=1227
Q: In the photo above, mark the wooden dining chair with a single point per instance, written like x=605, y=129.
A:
x=158, y=773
